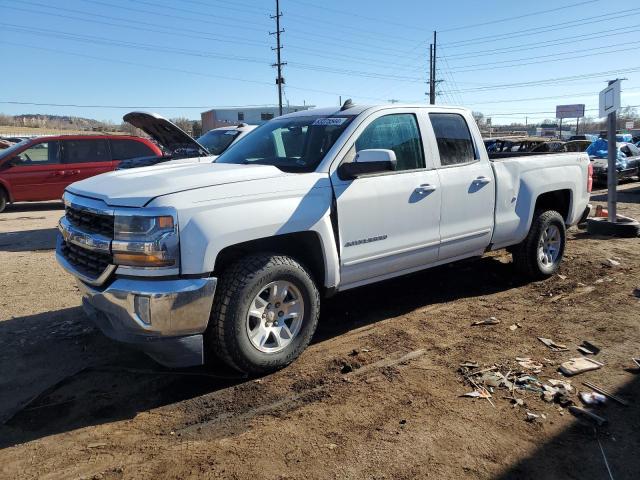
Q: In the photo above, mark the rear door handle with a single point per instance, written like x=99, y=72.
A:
x=482, y=180
x=425, y=188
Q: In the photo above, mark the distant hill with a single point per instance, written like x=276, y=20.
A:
x=57, y=121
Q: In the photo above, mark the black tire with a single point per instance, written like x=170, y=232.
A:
x=227, y=333
x=622, y=228
x=525, y=256
x=3, y=200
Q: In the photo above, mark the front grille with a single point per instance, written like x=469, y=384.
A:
x=90, y=222
x=87, y=262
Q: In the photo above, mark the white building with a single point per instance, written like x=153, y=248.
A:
x=224, y=117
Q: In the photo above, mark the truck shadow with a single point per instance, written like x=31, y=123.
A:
x=575, y=452
x=628, y=195
x=28, y=240
x=34, y=207
x=60, y=374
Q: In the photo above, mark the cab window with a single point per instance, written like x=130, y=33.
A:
x=397, y=132
x=45, y=153
x=454, y=139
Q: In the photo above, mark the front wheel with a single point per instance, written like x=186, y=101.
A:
x=3, y=200
x=540, y=253
x=265, y=312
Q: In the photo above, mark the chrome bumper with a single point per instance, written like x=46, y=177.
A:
x=164, y=318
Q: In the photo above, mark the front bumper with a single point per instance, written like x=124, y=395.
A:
x=164, y=318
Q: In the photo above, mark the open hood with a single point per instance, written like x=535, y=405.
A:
x=167, y=134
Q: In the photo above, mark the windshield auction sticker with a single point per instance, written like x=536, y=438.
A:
x=323, y=122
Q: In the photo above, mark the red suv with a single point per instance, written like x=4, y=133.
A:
x=41, y=168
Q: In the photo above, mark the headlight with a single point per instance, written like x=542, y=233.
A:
x=146, y=240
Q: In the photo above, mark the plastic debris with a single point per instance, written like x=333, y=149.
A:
x=592, y=398
x=566, y=384
x=562, y=277
x=488, y=321
x=606, y=393
x=556, y=347
x=636, y=361
x=610, y=262
x=581, y=412
x=469, y=364
x=526, y=362
x=495, y=379
x=515, y=326
x=578, y=365
x=588, y=348
x=532, y=417
x=480, y=393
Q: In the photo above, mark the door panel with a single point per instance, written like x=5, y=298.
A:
x=388, y=223
x=37, y=174
x=468, y=189
x=84, y=158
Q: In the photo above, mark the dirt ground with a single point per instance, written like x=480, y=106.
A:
x=76, y=405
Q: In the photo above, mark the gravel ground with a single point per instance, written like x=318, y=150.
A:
x=76, y=405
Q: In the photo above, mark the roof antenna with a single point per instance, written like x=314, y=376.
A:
x=347, y=104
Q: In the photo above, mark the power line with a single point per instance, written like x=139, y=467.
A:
x=558, y=41
x=518, y=17
x=463, y=68
x=147, y=107
x=278, y=49
x=198, y=35
x=541, y=29
x=553, y=97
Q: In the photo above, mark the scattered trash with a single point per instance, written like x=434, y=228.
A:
x=346, y=368
x=403, y=422
x=636, y=361
x=636, y=292
x=562, y=277
x=581, y=412
x=515, y=326
x=526, y=362
x=585, y=350
x=592, y=398
x=556, y=347
x=480, y=393
x=495, y=379
x=604, y=457
x=606, y=393
x=578, y=365
x=589, y=347
x=566, y=384
x=532, y=417
x=610, y=262
x=517, y=402
x=488, y=321
x=331, y=446
x=97, y=445
x=469, y=364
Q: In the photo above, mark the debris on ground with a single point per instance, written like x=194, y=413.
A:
x=480, y=393
x=515, y=326
x=562, y=277
x=556, y=347
x=581, y=412
x=588, y=348
x=592, y=398
x=610, y=262
x=606, y=393
x=488, y=321
x=529, y=364
x=578, y=365
x=636, y=361
x=636, y=292
x=532, y=417
x=469, y=364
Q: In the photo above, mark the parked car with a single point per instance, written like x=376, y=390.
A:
x=584, y=136
x=178, y=145
x=549, y=146
x=229, y=259
x=627, y=160
x=577, y=145
x=41, y=168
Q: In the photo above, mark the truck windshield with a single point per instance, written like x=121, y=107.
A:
x=294, y=144
x=217, y=141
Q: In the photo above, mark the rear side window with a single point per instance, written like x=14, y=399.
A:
x=85, y=151
x=453, y=137
x=126, y=149
x=397, y=132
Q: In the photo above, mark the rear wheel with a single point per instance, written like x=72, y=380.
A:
x=265, y=312
x=539, y=255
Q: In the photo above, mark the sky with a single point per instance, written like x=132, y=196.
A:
x=513, y=61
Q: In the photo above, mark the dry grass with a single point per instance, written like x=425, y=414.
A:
x=8, y=131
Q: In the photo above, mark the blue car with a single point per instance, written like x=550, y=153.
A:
x=627, y=160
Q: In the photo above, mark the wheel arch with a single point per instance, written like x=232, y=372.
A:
x=305, y=246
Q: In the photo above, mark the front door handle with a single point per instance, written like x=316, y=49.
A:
x=425, y=188
x=482, y=180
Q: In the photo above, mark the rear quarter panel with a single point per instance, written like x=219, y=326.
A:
x=520, y=181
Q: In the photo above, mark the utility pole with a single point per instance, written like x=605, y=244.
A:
x=432, y=69
x=279, y=63
x=612, y=173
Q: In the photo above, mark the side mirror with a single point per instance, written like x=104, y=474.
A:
x=375, y=160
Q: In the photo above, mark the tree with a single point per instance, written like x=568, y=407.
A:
x=478, y=117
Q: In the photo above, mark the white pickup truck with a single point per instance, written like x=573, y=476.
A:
x=229, y=260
